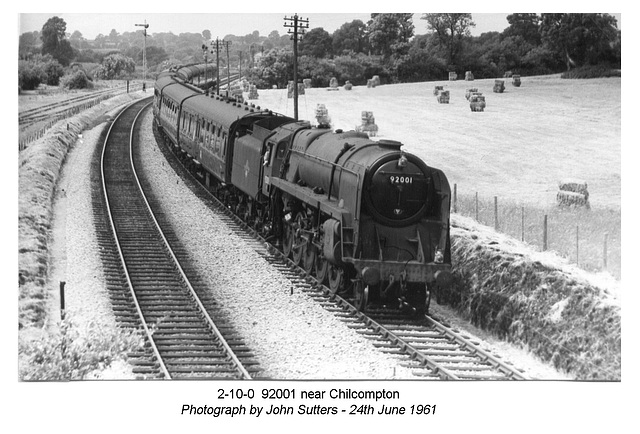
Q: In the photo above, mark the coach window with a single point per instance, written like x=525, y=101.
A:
x=219, y=141
x=224, y=143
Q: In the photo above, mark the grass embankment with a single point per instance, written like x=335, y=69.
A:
x=536, y=301
x=39, y=169
x=590, y=238
x=74, y=353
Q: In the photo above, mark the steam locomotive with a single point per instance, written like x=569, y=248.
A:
x=364, y=217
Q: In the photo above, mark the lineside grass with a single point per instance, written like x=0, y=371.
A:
x=74, y=353
x=572, y=232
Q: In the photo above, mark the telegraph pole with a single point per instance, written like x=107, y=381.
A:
x=204, y=53
x=227, y=43
x=217, y=66
x=298, y=25
x=144, y=50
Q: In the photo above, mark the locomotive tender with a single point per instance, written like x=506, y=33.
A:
x=363, y=216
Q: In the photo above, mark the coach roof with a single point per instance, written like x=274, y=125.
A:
x=223, y=111
x=178, y=92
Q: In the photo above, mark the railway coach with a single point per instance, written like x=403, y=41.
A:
x=365, y=217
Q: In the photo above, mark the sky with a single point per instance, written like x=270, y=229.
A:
x=222, y=24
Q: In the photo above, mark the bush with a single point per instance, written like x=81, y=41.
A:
x=30, y=75
x=72, y=353
x=54, y=72
x=592, y=71
x=77, y=80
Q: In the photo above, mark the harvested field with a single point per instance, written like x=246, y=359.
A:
x=526, y=140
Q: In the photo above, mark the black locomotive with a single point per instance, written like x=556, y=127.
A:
x=363, y=216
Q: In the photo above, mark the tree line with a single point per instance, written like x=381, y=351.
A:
x=386, y=45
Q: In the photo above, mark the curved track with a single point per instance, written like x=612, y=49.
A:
x=429, y=347
x=148, y=285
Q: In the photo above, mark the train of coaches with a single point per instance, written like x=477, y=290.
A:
x=364, y=217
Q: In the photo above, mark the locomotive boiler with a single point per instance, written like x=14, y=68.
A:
x=363, y=216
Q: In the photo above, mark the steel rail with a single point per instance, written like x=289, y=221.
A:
x=119, y=247
x=185, y=279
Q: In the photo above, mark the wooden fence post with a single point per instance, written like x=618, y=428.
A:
x=477, y=206
x=522, y=224
x=495, y=210
x=577, y=245
x=604, y=252
x=455, y=198
x=544, y=234
x=62, y=308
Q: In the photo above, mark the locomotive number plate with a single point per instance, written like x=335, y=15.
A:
x=401, y=179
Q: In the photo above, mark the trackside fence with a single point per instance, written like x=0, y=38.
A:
x=26, y=139
x=589, y=238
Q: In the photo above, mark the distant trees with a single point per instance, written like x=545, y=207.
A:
x=450, y=31
x=114, y=66
x=37, y=70
x=351, y=37
x=526, y=26
x=54, y=42
x=316, y=43
x=581, y=39
x=390, y=33
x=385, y=45
x=155, y=56
x=28, y=45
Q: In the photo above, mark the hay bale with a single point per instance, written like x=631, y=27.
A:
x=375, y=80
x=516, y=80
x=443, y=97
x=471, y=91
x=348, y=85
x=437, y=90
x=322, y=116
x=572, y=199
x=368, y=124
x=290, y=89
x=468, y=76
x=575, y=185
x=307, y=83
x=498, y=87
x=477, y=103
x=253, y=92
x=453, y=76
x=236, y=89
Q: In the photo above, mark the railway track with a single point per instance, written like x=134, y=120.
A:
x=51, y=110
x=428, y=346
x=149, y=287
